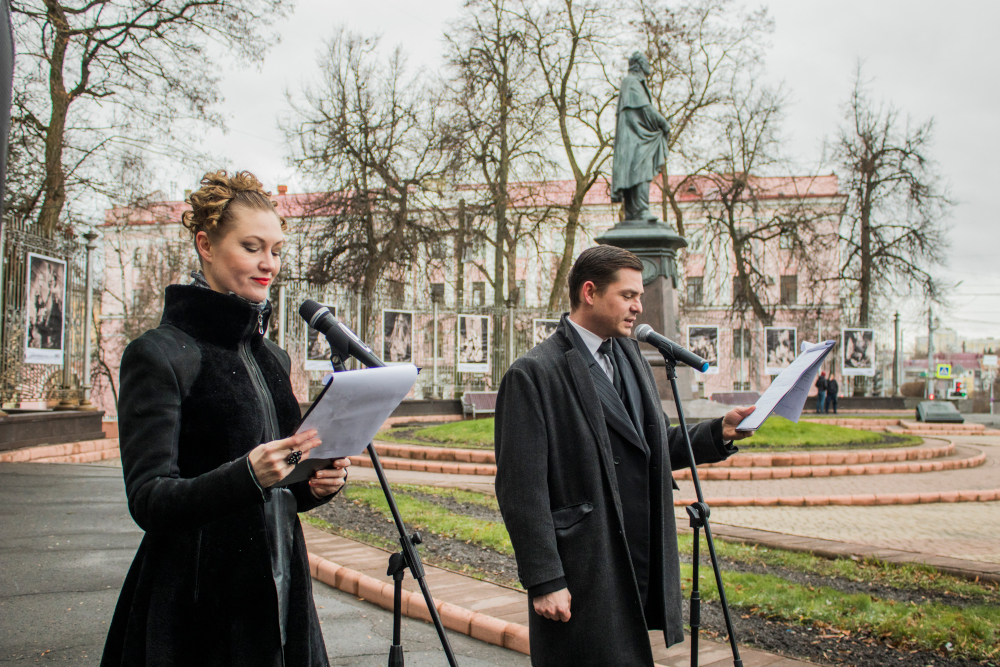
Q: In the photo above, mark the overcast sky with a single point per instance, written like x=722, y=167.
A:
x=930, y=59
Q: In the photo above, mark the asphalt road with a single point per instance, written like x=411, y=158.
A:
x=66, y=542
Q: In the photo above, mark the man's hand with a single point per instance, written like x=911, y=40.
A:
x=732, y=420
x=553, y=606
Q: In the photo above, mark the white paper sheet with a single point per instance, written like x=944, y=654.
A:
x=350, y=411
x=787, y=394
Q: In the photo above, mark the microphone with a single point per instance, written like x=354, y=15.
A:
x=644, y=333
x=341, y=338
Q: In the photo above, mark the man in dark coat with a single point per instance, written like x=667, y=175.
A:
x=821, y=385
x=584, y=459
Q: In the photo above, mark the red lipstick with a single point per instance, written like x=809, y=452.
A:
x=263, y=281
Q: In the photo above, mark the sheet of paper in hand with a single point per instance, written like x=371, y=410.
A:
x=787, y=394
x=349, y=412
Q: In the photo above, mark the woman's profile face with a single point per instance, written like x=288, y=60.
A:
x=245, y=257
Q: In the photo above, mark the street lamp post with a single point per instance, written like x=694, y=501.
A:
x=85, y=403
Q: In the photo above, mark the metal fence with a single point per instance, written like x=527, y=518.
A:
x=511, y=334
x=22, y=382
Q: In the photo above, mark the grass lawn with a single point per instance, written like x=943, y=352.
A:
x=777, y=434
x=972, y=631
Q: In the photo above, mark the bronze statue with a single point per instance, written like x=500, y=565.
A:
x=640, y=143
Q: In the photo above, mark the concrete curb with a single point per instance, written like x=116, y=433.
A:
x=969, y=496
x=455, y=618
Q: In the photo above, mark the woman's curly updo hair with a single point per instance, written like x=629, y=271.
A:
x=213, y=204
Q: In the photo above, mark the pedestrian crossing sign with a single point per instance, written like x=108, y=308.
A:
x=943, y=371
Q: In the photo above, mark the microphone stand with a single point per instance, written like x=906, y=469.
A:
x=399, y=562
x=698, y=514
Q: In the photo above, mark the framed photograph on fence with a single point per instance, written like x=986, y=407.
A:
x=542, y=329
x=317, y=347
x=703, y=340
x=45, y=320
x=473, y=344
x=859, y=352
x=779, y=346
x=397, y=337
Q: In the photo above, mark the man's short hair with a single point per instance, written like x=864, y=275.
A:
x=599, y=265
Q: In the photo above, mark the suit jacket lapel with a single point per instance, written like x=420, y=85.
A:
x=614, y=410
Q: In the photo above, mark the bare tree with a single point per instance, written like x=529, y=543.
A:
x=371, y=137
x=895, y=233
x=570, y=42
x=695, y=51
x=749, y=213
x=97, y=76
x=502, y=119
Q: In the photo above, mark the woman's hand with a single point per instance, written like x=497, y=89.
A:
x=270, y=460
x=327, y=481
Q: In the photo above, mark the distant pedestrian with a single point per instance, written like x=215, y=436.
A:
x=821, y=384
x=831, y=394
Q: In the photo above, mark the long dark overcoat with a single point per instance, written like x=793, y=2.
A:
x=559, y=496
x=201, y=590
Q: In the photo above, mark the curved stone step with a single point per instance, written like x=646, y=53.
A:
x=928, y=450
x=84, y=451
x=755, y=473
x=418, y=465
x=972, y=495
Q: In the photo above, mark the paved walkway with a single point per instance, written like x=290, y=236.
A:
x=66, y=542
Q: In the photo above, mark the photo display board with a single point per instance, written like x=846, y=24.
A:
x=703, y=340
x=542, y=329
x=473, y=344
x=779, y=349
x=859, y=352
x=397, y=336
x=318, y=348
x=45, y=312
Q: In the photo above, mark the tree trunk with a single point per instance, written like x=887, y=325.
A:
x=558, y=297
x=460, y=258
x=55, y=180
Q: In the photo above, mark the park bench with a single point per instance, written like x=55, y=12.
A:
x=477, y=403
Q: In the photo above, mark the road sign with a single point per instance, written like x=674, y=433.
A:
x=943, y=372
x=990, y=360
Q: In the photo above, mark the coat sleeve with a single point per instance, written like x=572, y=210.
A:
x=522, y=486
x=149, y=413
x=706, y=443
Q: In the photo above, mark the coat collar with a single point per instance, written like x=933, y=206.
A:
x=207, y=315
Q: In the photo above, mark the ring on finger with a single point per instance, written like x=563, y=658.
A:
x=294, y=458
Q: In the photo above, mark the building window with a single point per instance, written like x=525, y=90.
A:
x=439, y=249
x=739, y=295
x=397, y=292
x=522, y=294
x=741, y=343
x=741, y=386
x=479, y=293
x=437, y=292
x=786, y=241
x=695, y=295
x=789, y=290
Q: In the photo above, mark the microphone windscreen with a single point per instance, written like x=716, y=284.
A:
x=642, y=332
x=308, y=309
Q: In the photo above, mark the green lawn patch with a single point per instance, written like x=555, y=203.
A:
x=777, y=434
x=780, y=434
x=424, y=515
x=969, y=631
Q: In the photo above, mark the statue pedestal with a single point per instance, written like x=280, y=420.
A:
x=656, y=244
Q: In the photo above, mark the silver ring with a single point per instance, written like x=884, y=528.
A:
x=294, y=458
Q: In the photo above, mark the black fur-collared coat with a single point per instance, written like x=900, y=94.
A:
x=197, y=395
x=559, y=493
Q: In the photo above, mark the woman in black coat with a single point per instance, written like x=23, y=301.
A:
x=206, y=415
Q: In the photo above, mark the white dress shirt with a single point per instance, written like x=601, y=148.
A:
x=593, y=341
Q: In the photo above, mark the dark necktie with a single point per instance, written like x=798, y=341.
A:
x=605, y=349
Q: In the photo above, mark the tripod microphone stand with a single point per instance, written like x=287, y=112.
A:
x=399, y=562
x=698, y=514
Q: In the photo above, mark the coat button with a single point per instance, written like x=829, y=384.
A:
x=618, y=460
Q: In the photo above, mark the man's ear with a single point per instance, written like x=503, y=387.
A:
x=587, y=293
